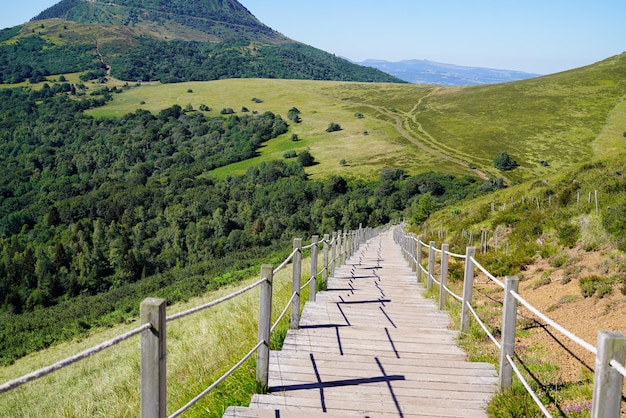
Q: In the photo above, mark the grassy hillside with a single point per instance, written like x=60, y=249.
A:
x=368, y=144
x=570, y=258
x=545, y=124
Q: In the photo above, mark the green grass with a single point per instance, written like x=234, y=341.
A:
x=365, y=154
x=562, y=119
x=200, y=348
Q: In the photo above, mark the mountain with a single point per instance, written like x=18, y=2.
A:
x=171, y=41
x=428, y=72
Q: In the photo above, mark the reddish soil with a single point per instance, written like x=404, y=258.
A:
x=556, y=292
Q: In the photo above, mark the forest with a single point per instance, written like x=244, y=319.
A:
x=97, y=214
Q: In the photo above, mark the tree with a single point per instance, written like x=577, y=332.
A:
x=306, y=159
x=424, y=208
x=504, y=162
x=294, y=115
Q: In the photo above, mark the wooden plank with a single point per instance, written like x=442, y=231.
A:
x=374, y=346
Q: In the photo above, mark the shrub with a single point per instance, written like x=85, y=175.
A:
x=504, y=162
x=227, y=111
x=294, y=137
x=306, y=159
x=290, y=154
x=359, y=115
x=568, y=235
x=333, y=127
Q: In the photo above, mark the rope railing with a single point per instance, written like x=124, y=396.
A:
x=215, y=302
x=610, y=352
x=483, y=326
x=454, y=295
x=486, y=273
x=530, y=391
x=218, y=381
x=12, y=384
x=555, y=325
x=287, y=260
x=283, y=313
x=153, y=390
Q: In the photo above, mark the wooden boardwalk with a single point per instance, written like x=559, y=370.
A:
x=373, y=346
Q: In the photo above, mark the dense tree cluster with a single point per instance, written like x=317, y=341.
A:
x=32, y=58
x=97, y=214
x=177, y=61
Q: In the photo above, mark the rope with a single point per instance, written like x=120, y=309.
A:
x=283, y=313
x=492, y=277
x=12, y=384
x=619, y=367
x=215, y=302
x=217, y=382
x=463, y=256
x=455, y=296
x=287, y=260
x=528, y=388
x=483, y=326
x=558, y=327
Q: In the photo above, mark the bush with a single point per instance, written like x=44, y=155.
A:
x=504, y=162
x=227, y=111
x=568, y=235
x=333, y=127
x=306, y=159
x=290, y=154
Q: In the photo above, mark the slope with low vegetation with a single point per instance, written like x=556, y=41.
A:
x=569, y=254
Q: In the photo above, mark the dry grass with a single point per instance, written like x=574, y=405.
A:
x=200, y=348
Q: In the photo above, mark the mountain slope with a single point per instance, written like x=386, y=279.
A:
x=195, y=40
x=222, y=19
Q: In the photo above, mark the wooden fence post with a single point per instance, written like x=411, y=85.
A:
x=265, y=323
x=412, y=249
x=607, y=382
x=509, y=324
x=294, y=323
x=325, y=269
x=333, y=254
x=468, y=283
x=339, y=244
x=153, y=354
x=314, y=252
x=443, y=294
x=431, y=265
x=419, y=254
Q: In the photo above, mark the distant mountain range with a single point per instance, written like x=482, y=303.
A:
x=428, y=72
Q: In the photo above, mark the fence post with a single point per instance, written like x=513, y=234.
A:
x=412, y=248
x=265, y=323
x=468, y=282
x=333, y=254
x=339, y=243
x=314, y=251
x=294, y=323
x=443, y=294
x=153, y=370
x=509, y=324
x=607, y=382
x=419, y=254
x=325, y=269
x=431, y=264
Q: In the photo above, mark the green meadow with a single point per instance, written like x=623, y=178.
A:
x=545, y=124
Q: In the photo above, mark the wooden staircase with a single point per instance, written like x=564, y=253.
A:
x=373, y=346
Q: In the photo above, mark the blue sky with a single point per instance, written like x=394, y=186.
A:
x=540, y=36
